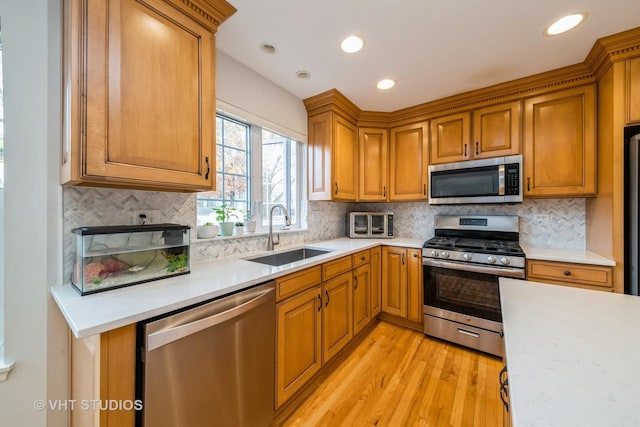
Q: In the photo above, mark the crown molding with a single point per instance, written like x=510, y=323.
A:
x=211, y=13
x=613, y=48
x=332, y=100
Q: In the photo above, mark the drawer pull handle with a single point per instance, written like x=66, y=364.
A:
x=567, y=273
x=320, y=305
x=326, y=304
x=469, y=333
x=356, y=280
x=362, y=259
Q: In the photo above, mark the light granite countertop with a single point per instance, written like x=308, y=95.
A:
x=96, y=313
x=579, y=256
x=572, y=355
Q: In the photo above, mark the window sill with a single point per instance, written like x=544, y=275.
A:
x=5, y=368
x=249, y=235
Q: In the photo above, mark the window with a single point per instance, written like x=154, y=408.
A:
x=256, y=168
x=232, y=171
x=279, y=176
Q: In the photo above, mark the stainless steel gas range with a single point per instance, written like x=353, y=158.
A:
x=462, y=265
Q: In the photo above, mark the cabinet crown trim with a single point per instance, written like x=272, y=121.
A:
x=215, y=12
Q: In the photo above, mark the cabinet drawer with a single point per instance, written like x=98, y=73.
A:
x=333, y=268
x=360, y=258
x=597, y=277
x=291, y=284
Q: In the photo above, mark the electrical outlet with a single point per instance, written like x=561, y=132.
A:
x=145, y=216
x=541, y=217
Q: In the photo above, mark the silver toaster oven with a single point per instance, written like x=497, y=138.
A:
x=370, y=225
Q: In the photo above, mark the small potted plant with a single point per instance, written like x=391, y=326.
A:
x=208, y=230
x=223, y=215
x=238, y=229
x=249, y=223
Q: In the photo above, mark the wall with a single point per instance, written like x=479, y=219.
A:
x=564, y=229
x=35, y=332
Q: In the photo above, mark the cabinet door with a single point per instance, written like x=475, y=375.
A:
x=299, y=350
x=361, y=297
x=373, y=164
x=414, y=285
x=345, y=159
x=496, y=131
x=319, y=156
x=633, y=90
x=394, y=281
x=337, y=320
x=408, y=162
x=376, y=275
x=559, y=143
x=146, y=121
x=450, y=138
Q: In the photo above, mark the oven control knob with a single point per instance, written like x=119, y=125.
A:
x=467, y=257
x=434, y=254
x=444, y=254
x=491, y=259
x=504, y=260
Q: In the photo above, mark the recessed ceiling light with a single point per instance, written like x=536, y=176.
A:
x=268, y=47
x=565, y=24
x=303, y=74
x=385, y=84
x=352, y=44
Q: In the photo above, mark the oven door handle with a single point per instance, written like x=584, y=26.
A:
x=475, y=268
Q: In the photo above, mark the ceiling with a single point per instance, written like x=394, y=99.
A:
x=432, y=48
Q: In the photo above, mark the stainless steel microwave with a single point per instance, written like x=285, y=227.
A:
x=370, y=225
x=497, y=180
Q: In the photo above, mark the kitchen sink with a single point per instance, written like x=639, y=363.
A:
x=287, y=257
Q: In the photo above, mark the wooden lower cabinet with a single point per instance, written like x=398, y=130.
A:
x=299, y=342
x=569, y=274
x=394, y=281
x=337, y=315
x=361, y=297
x=103, y=368
x=414, y=286
x=376, y=279
x=402, y=283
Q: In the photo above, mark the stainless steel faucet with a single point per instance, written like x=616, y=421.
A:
x=287, y=223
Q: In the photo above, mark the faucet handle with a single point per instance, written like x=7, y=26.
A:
x=276, y=241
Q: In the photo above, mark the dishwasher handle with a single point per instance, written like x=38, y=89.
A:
x=167, y=336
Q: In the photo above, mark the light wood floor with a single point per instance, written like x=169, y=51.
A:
x=399, y=377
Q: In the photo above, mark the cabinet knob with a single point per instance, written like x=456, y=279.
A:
x=415, y=255
x=567, y=273
x=362, y=258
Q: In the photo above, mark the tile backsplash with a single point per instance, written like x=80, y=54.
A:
x=86, y=206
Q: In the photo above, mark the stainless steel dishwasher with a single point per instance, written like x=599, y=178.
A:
x=211, y=365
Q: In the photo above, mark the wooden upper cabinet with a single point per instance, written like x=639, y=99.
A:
x=408, y=162
x=373, y=162
x=496, y=131
x=633, y=90
x=450, y=138
x=559, y=143
x=140, y=85
x=332, y=157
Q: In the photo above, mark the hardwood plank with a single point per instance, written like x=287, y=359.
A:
x=397, y=376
